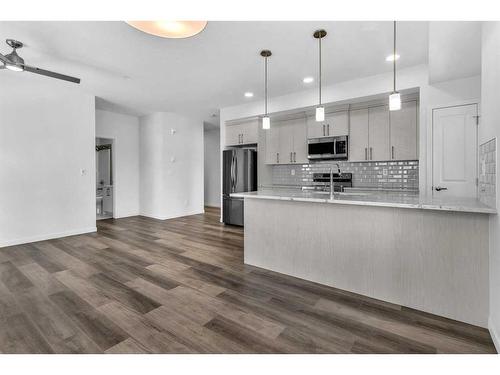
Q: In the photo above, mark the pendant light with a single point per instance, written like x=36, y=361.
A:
x=266, y=121
x=395, y=97
x=320, y=110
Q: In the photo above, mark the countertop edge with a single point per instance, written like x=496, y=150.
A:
x=421, y=206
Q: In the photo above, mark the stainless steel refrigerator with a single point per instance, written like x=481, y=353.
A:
x=239, y=174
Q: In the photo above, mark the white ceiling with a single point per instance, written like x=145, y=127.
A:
x=454, y=50
x=138, y=73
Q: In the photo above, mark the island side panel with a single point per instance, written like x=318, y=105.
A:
x=434, y=261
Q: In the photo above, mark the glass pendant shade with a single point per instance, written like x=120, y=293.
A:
x=394, y=101
x=320, y=114
x=170, y=29
x=266, y=123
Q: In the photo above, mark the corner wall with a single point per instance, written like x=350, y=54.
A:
x=171, y=165
x=489, y=128
x=47, y=159
x=124, y=130
x=212, y=167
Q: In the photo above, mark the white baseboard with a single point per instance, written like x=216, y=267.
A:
x=172, y=216
x=495, y=334
x=50, y=236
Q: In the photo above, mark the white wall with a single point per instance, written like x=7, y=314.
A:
x=489, y=127
x=47, y=137
x=171, y=165
x=124, y=130
x=212, y=167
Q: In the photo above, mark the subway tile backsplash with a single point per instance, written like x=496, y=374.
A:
x=487, y=172
x=392, y=174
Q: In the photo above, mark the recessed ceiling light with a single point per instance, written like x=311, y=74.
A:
x=170, y=29
x=249, y=95
x=308, y=80
x=391, y=57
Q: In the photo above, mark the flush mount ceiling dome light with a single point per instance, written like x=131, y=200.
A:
x=320, y=110
x=266, y=121
x=395, y=97
x=170, y=29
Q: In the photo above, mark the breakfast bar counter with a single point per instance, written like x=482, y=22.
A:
x=421, y=252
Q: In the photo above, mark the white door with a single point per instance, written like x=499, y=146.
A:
x=315, y=129
x=404, y=132
x=299, y=141
x=454, y=151
x=358, y=135
x=249, y=132
x=378, y=133
x=233, y=135
x=272, y=144
x=337, y=123
x=286, y=143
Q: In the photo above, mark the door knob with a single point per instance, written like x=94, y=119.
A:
x=439, y=188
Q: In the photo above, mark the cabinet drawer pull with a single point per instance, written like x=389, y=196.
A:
x=371, y=153
x=366, y=153
x=393, y=152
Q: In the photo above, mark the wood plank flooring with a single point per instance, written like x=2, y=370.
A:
x=142, y=285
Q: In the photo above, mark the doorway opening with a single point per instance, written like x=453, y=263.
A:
x=104, y=178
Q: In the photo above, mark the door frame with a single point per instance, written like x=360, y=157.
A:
x=113, y=169
x=430, y=175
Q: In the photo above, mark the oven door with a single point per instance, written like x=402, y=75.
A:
x=321, y=148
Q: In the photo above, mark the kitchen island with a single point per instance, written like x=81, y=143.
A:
x=405, y=248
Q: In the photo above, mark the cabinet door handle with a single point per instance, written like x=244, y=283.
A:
x=366, y=153
x=371, y=153
x=277, y=157
x=324, y=130
x=327, y=129
x=291, y=153
x=294, y=157
x=392, y=152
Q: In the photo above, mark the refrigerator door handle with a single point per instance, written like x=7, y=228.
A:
x=235, y=171
x=232, y=173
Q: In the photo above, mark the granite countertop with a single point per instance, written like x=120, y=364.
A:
x=374, y=198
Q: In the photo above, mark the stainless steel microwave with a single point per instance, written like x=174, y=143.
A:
x=333, y=148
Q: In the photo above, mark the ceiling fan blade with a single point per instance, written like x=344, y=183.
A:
x=48, y=73
x=4, y=59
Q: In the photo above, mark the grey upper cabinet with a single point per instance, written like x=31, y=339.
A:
x=403, y=128
x=286, y=142
x=242, y=134
x=378, y=133
x=336, y=123
x=358, y=135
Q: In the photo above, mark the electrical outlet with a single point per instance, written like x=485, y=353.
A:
x=292, y=172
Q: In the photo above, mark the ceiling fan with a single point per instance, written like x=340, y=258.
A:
x=14, y=62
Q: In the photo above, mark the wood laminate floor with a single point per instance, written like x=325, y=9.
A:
x=141, y=285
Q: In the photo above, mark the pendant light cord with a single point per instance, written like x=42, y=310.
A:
x=266, y=86
x=394, y=57
x=319, y=70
